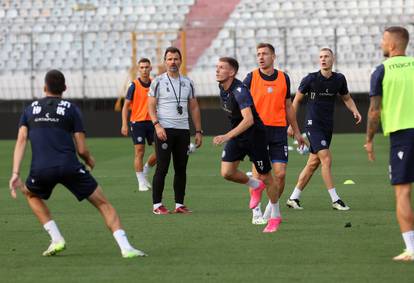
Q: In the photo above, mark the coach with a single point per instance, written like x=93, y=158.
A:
x=171, y=96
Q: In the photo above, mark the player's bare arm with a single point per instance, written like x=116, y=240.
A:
x=246, y=123
x=296, y=100
x=374, y=114
x=293, y=123
x=196, y=117
x=152, y=110
x=125, y=110
x=19, y=150
x=82, y=149
x=350, y=104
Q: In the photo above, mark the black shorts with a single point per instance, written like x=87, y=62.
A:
x=318, y=139
x=402, y=157
x=76, y=179
x=236, y=149
x=141, y=131
x=278, y=144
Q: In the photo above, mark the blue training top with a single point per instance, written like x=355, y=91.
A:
x=51, y=123
x=235, y=99
x=321, y=92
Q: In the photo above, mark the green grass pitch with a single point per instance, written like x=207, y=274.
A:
x=217, y=243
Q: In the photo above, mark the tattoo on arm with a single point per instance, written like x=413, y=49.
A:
x=374, y=113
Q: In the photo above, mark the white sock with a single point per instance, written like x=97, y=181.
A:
x=53, y=231
x=146, y=169
x=295, y=194
x=333, y=194
x=409, y=240
x=157, y=205
x=268, y=210
x=122, y=240
x=140, y=177
x=257, y=211
x=275, y=210
x=253, y=183
x=177, y=205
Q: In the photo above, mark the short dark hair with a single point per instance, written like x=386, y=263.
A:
x=172, y=49
x=327, y=49
x=55, y=82
x=144, y=60
x=266, y=45
x=232, y=62
x=401, y=33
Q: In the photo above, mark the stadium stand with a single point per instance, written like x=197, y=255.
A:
x=90, y=40
x=299, y=28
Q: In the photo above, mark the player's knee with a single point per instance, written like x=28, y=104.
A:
x=326, y=162
x=280, y=176
x=227, y=174
x=139, y=152
x=161, y=169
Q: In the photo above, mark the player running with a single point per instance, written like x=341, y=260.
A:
x=322, y=87
x=247, y=137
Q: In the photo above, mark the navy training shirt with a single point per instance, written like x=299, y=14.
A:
x=377, y=76
x=51, y=121
x=235, y=99
x=322, y=92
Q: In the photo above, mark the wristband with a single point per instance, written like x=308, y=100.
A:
x=199, y=132
x=156, y=122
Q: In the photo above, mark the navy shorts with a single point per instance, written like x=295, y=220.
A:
x=141, y=131
x=278, y=144
x=318, y=139
x=76, y=179
x=402, y=157
x=236, y=149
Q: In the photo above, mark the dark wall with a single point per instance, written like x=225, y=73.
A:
x=104, y=122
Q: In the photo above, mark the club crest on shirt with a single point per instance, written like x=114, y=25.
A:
x=269, y=89
x=400, y=154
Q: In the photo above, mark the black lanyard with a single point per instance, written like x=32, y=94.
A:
x=179, y=91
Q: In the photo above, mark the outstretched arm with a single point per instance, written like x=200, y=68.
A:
x=19, y=150
x=374, y=114
x=350, y=104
